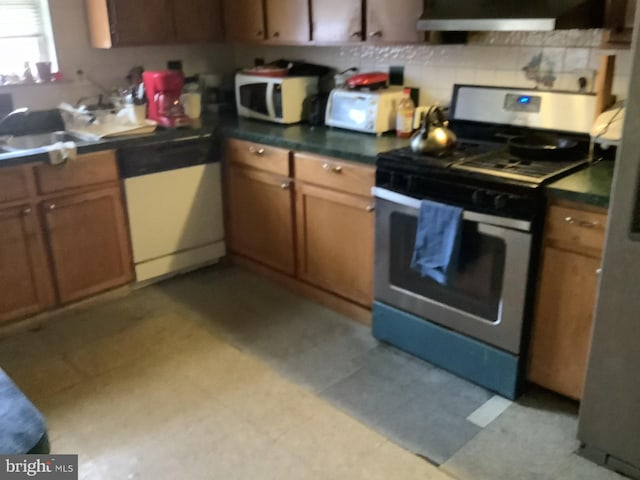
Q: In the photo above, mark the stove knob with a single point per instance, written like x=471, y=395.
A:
x=479, y=197
x=500, y=201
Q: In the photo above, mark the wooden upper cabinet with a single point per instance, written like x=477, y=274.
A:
x=288, y=21
x=619, y=21
x=89, y=243
x=395, y=21
x=337, y=21
x=24, y=276
x=121, y=23
x=198, y=21
x=245, y=20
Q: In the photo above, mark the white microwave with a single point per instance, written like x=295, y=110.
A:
x=369, y=112
x=275, y=99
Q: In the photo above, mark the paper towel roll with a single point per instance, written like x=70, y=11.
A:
x=192, y=103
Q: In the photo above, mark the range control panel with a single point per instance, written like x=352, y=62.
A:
x=522, y=103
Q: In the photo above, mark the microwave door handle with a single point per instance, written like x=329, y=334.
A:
x=270, y=100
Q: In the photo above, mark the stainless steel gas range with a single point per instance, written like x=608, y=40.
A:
x=476, y=325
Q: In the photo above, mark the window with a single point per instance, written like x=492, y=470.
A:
x=25, y=35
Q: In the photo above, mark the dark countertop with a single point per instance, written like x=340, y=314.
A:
x=344, y=144
x=201, y=130
x=332, y=142
x=591, y=185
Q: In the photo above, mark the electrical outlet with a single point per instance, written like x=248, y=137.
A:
x=576, y=78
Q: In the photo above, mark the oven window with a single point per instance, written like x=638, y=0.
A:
x=254, y=97
x=477, y=286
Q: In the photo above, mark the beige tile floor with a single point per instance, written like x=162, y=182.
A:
x=152, y=386
x=145, y=388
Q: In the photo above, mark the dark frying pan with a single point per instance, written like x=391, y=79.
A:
x=540, y=146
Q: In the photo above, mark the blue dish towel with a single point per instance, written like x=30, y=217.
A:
x=437, y=241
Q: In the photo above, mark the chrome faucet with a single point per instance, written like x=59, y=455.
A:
x=18, y=112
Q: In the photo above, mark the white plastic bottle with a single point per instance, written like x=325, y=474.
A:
x=404, y=118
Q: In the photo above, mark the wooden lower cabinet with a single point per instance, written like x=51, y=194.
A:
x=335, y=242
x=88, y=241
x=563, y=322
x=24, y=274
x=260, y=217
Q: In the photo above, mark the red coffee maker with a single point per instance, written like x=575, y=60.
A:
x=164, y=89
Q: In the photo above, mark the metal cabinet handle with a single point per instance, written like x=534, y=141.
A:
x=254, y=151
x=376, y=34
x=336, y=169
x=371, y=208
x=286, y=186
x=599, y=271
x=260, y=33
x=581, y=223
x=52, y=206
x=356, y=34
x=26, y=211
x=276, y=34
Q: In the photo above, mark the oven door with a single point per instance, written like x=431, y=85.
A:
x=486, y=298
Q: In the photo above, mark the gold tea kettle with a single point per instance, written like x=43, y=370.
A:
x=434, y=138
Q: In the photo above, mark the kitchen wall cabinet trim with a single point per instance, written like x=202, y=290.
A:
x=24, y=272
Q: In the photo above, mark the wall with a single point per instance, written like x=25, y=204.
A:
x=489, y=58
x=107, y=67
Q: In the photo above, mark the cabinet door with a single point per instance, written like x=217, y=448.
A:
x=141, y=22
x=89, y=243
x=337, y=21
x=244, y=20
x=24, y=275
x=394, y=21
x=335, y=242
x=619, y=21
x=260, y=219
x=288, y=21
x=198, y=21
x=562, y=327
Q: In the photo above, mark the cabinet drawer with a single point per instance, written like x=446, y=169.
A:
x=580, y=228
x=261, y=157
x=86, y=170
x=14, y=184
x=335, y=174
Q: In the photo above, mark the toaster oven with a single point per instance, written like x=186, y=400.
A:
x=369, y=112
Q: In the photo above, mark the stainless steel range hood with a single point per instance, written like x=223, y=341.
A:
x=510, y=15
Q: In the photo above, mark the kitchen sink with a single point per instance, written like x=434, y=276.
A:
x=30, y=142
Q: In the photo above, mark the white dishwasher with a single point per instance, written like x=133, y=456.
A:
x=174, y=202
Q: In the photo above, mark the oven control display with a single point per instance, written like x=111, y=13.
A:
x=522, y=103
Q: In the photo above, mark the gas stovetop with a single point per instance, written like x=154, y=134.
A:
x=489, y=159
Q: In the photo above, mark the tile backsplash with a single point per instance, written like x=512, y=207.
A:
x=495, y=58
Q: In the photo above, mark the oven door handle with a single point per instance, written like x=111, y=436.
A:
x=414, y=203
